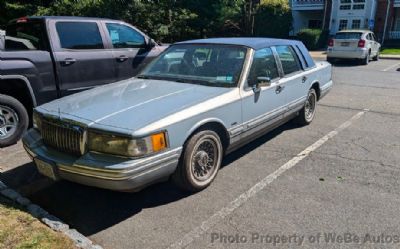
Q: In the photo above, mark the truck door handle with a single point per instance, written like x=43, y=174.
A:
x=304, y=79
x=68, y=61
x=122, y=58
x=279, y=89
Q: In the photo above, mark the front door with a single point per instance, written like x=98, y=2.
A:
x=264, y=107
x=81, y=59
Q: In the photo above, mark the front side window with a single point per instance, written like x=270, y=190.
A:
x=25, y=36
x=124, y=37
x=79, y=35
x=290, y=62
x=205, y=64
x=264, y=65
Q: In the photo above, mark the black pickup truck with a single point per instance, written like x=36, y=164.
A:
x=50, y=57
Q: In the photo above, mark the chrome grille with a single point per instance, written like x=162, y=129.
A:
x=62, y=136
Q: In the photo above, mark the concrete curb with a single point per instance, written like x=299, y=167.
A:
x=51, y=221
x=389, y=57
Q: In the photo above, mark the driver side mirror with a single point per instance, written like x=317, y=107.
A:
x=151, y=44
x=260, y=82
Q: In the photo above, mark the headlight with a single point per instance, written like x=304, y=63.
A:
x=126, y=146
x=37, y=121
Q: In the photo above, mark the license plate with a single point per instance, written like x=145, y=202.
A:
x=46, y=169
x=345, y=44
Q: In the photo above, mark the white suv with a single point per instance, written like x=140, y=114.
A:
x=354, y=44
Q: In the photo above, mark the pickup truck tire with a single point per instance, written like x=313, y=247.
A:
x=14, y=120
x=307, y=113
x=200, y=161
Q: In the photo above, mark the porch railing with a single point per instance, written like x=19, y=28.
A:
x=307, y=4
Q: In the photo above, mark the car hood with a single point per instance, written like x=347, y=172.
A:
x=130, y=104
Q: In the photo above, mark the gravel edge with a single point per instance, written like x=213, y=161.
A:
x=51, y=221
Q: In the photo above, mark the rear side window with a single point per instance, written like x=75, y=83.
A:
x=290, y=62
x=348, y=35
x=25, y=36
x=79, y=35
x=124, y=37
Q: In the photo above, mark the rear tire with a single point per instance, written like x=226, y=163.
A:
x=14, y=120
x=307, y=114
x=200, y=161
x=365, y=61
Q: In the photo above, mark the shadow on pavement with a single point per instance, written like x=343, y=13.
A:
x=91, y=210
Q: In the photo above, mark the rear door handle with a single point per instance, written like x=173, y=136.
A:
x=279, y=89
x=122, y=58
x=68, y=61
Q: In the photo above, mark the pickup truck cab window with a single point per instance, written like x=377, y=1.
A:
x=264, y=65
x=123, y=36
x=25, y=36
x=82, y=35
x=289, y=60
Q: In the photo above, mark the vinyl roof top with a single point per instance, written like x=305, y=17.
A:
x=251, y=42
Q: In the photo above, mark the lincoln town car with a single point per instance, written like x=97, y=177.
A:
x=196, y=102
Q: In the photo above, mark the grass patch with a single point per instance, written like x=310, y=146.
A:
x=19, y=230
x=395, y=51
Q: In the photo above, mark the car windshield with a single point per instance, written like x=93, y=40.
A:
x=205, y=64
x=348, y=35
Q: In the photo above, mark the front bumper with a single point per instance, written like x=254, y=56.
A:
x=103, y=171
x=358, y=53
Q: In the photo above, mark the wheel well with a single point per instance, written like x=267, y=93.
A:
x=315, y=86
x=218, y=128
x=17, y=89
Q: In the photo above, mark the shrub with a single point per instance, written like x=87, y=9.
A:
x=310, y=38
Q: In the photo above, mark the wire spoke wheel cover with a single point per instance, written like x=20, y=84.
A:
x=309, y=109
x=8, y=122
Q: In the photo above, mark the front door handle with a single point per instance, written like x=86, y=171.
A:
x=304, y=79
x=122, y=58
x=279, y=89
x=68, y=61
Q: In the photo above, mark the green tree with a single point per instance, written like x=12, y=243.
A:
x=273, y=19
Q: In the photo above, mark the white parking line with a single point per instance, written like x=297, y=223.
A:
x=391, y=67
x=243, y=198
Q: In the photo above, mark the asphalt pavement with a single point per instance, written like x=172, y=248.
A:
x=332, y=184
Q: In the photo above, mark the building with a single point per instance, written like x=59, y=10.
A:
x=381, y=16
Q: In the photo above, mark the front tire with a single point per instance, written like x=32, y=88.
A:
x=200, y=162
x=376, y=58
x=306, y=115
x=14, y=120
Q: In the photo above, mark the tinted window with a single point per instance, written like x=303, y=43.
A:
x=348, y=35
x=206, y=64
x=25, y=36
x=288, y=58
x=79, y=35
x=264, y=65
x=124, y=37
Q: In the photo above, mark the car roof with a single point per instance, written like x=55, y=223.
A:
x=355, y=31
x=251, y=42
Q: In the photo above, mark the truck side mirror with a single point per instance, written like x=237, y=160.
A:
x=151, y=44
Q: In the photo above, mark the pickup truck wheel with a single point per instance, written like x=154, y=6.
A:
x=306, y=115
x=200, y=162
x=14, y=120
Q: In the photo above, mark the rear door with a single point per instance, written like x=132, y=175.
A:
x=129, y=47
x=81, y=56
x=295, y=79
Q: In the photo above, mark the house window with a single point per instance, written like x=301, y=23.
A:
x=356, y=24
x=342, y=24
x=345, y=1
x=358, y=6
x=345, y=7
x=359, y=1
x=314, y=24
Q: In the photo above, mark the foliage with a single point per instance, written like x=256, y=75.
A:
x=168, y=20
x=310, y=38
x=391, y=51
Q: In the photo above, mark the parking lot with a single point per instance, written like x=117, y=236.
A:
x=291, y=188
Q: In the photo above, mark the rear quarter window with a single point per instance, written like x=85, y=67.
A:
x=25, y=36
x=348, y=35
